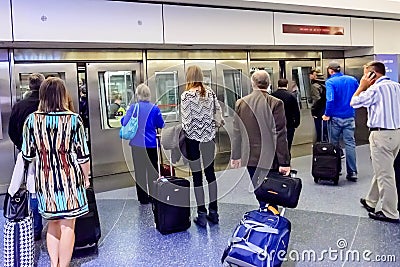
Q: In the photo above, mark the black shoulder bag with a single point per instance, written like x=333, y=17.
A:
x=16, y=207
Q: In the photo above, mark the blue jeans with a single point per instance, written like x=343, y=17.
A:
x=37, y=218
x=345, y=127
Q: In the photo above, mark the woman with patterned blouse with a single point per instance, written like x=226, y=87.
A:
x=55, y=136
x=198, y=105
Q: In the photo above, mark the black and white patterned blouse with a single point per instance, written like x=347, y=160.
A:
x=198, y=114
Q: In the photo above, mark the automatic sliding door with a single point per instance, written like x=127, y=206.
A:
x=111, y=87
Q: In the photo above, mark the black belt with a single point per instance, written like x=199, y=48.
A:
x=380, y=129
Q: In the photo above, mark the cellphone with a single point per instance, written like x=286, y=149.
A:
x=371, y=74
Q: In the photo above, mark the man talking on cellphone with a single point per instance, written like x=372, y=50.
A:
x=382, y=100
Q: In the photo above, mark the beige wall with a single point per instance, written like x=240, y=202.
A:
x=386, y=37
x=5, y=21
x=200, y=25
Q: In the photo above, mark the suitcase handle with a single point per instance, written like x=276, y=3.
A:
x=159, y=157
x=322, y=132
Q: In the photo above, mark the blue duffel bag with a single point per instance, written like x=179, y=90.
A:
x=260, y=240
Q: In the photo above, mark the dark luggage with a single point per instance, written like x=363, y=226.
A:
x=260, y=240
x=19, y=247
x=277, y=189
x=171, y=203
x=326, y=161
x=87, y=227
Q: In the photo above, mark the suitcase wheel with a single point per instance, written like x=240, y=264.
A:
x=336, y=181
x=316, y=180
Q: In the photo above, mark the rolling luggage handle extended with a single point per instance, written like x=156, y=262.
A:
x=159, y=157
x=327, y=132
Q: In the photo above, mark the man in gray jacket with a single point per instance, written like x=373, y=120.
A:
x=259, y=132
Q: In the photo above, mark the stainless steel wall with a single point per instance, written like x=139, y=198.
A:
x=6, y=146
x=354, y=67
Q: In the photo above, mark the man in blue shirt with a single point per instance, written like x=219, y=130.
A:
x=339, y=91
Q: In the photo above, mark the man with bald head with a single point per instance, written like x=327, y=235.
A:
x=259, y=132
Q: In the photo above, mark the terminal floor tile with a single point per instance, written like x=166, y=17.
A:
x=329, y=227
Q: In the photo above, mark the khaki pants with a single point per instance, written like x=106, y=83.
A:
x=384, y=147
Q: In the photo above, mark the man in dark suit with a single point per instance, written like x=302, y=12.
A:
x=19, y=113
x=259, y=132
x=292, y=110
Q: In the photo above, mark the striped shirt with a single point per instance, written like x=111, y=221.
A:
x=382, y=101
x=198, y=115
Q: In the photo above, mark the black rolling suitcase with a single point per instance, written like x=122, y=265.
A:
x=326, y=161
x=171, y=203
x=87, y=227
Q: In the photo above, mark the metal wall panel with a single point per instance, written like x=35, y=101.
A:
x=6, y=146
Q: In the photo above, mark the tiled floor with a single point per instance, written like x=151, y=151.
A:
x=326, y=215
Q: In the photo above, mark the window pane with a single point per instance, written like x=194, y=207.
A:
x=167, y=94
x=207, y=78
x=116, y=92
x=23, y=89
x=233, y=89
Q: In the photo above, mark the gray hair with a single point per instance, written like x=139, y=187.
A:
x=260, y=79
x=142, y=92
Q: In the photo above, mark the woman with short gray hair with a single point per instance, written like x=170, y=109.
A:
x=144, y=145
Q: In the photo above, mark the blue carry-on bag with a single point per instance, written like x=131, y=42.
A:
x=260, y=240
x=128, y=131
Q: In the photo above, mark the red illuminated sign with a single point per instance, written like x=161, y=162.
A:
x=312, y=29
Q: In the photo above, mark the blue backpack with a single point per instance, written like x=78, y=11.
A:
x=260, y=240
x=128, y=131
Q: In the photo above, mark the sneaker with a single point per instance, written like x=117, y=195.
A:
x=201, y=219
x=352, y=177
x=213, y=217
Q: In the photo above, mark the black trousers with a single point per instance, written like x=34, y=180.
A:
x=195, y=149
x=257, y=175
x=290, y=136
x=145, y=164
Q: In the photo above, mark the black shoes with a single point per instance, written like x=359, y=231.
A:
x=213, y=217
x=201, y=219
x=381, y=217
x=366, y=206
x=352, y=177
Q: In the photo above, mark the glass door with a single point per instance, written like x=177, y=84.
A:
x=111, y=87
x=297, y=73
x=232, y=83
x=272, y=67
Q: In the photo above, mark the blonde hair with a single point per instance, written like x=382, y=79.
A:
x=194, y=78
x=53, y=95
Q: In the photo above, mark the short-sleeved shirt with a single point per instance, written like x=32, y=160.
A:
x=57, y=140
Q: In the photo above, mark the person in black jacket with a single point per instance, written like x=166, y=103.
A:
x=292, y=111
x=19, y=113
x=318, y=95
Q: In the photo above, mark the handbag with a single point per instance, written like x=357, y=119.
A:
x=16, y=207
x=277, y=189
x=128, y=131
x=218, y=118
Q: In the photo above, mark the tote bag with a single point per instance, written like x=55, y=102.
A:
x=128, y=131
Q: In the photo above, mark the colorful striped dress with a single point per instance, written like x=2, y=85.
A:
x=57, y=140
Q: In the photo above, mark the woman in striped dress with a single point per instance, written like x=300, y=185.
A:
x=198, y=105
x=55, y=137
